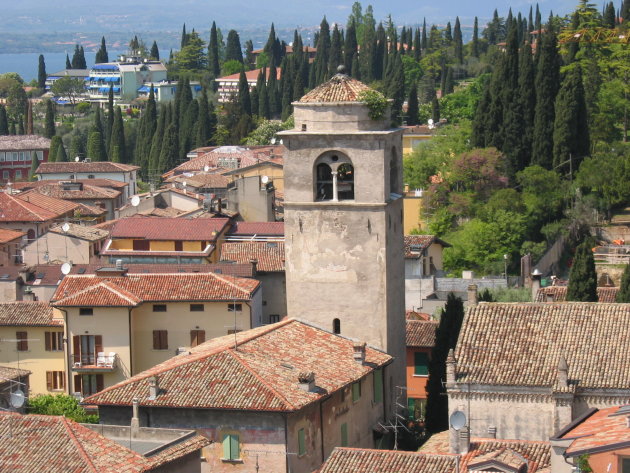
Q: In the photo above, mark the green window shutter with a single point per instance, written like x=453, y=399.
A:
x=356, y=391
x=421, y=363
x=226, y=446
x=378, y=385
x=411, y=407
x=344, y=435
x=301, y=442
x=234, y=447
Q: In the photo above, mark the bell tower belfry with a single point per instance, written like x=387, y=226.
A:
x=343, y=219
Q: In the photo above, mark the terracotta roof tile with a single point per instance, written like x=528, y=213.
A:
x=28, y=207
x=559, y=294
x=202, y=180
x=108, y=183
x=520, y=344
x=179, y=229
x=24, y=313
x=416, y=244
x=227, y=157
x=23, y=142
x=604, y=429
x=258, y=228
x=82, y=166
x=130, y=290
x=81, y=231
x=421, y=333
x=270, y=255
x=7, y=235
x=7, y=374
x=87, y=191
x=341, y=88
x=252, y=370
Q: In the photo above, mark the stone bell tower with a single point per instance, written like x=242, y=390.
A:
x=343, y=219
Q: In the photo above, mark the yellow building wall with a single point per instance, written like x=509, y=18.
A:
x=112, y=323
x=435, y=252
x=274, y=173
x=412, y=206
x=36, y=359
x=191, y=245
x=122, y=244
x=162, y=245
x=178, y=320
x=411, y=141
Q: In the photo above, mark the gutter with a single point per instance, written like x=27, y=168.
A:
x=67, y=337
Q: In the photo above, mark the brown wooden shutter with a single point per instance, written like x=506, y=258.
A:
x=76, y=349
x=164, y=339
x=62, y=380
x=99, y=382
x=49, y=379
x=156, y=339
x=193, y=338
x=22, y=344
x=201, y=336
x=48, y=340
x=98, y=344
x=77, y=383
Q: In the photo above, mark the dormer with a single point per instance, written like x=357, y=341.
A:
x=503, y=460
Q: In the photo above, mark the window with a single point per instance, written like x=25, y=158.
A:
x=18, y=174
x=356, y=391
x=15, y=156
x=416, y=408
x=22, y=156
x=85, y=349
x=301, y=442
x=232, y=331
x=160, y=340
x=159, y=307
x=334, y=178
x=53, y=341
x=324, y=182
x=235, y=307
x=421, y=364
x=55, y=380
x=22, y=341
x=5, y=175
x=378, y=386
x=86, y=311
x=345, y=182
x=40, y=155
x=197, y=337
x=2, y=157
x=337, y=326
x=179, y=246
x=273, y=318
x=197, y=307
x=344, y=435
x=90, y=176
x=88, y=384
x=141, y=245
x=231, y=448
x=625, y=465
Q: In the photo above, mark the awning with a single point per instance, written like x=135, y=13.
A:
x=105, y=67
x=103, y=89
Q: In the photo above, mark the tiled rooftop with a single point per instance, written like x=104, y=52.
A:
x=421, y=333
x=25, y=313
x=177, y=229
x=82, y=166
x=520, y=344
x=270, y=255
x=202, y=180
x=132, y=289
x=341, y=88
x=55, y=444
x=23, y=142
x=559, y=294
x=219, y=157
x=7, y=374
x=87, y=191
x=416, y=244
x=7, y=235
x=253, y=370
x=81, y=231
x=28, y=207
x=604, y=429
x=258, y=228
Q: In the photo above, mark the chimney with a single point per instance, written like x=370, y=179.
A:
x=254, y=263
x=359, y=352
x=154, y=389
x=492, y=432
x=135, y=420
x=451, y=365
x=119, y=264
x=472, y=295
x=536, y=277
x=306, y=380
x=563, y=372
x=464, y=440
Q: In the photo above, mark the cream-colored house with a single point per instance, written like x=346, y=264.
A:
x=10, y=242
x=120, y=323
x=32, y=338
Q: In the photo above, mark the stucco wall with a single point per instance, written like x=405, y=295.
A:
x=274, y=293
x=59, y=248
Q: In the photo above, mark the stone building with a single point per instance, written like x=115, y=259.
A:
x=528, y=369
x=343, y=220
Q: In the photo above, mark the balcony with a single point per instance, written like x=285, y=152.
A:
x=101, y=363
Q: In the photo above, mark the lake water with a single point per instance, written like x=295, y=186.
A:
x=26, y=64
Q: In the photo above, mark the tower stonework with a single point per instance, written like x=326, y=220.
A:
x=343, y=221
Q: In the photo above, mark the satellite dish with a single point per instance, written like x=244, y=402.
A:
x=184, y=184
x=430, y=121
x=65, y=227
x=77, y=159
x=206, y=168
x=264, y=179
x=17, y=398
x=273, y=141
x=65, y=268
x=281, y=142
x=457, y=420
x=135, y=201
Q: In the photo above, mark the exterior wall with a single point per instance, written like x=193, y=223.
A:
x=121, y=244
x=608, y=462
x=60, y=248
x=8, y=169
x=38, y=228
x=178, y=320
x=412, y=207
x=275, y=174
x=416, y=384
x=182, y=202
x=10, y=290
x=9, y=251
x=43, y=293
x=252, y=199
x=190, y=463
x=36, y=359
x=411, y=141
x=274, y=295
x=434, y=256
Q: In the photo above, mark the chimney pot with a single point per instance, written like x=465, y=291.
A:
x=464, y=440
x=492, y=432
x=306, y=380
x=563, y=372
x=359, y=352
x=154, y=389
x=451, y=364
x=135, y=420
x=254, y=263
x=472, y=295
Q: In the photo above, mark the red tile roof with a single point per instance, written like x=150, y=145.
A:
x=133, y=289
x=599, y=430
x=8, y=374
x=252, y=76
x=421, y=333
x=269, y=255
x=255, y=370
x=55, y=444
x=87, y=191
x=559, y=294
x=416, y=244
x=84, y=232
x=32, y=208
x=23, y=142
x=7, y=235
x=109, y=183
x=201, y=180
x=218, y=157
x=341, y=88
x=82, y=166
x=177, y=229
x=24, y=313
x=258, y=228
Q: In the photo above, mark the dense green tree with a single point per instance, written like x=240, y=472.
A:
x=425, y=41
x=396, y=88
x=155, y=52
x=273, y=98
x=610, y=17
x=55, y=142
x=263, y=96
x=169, y=150
x=49, y=120
x=204, y=128
x=412, y=105
x=448, y=82
x=77, y=145
x=41, y=73
x=214, y=65
x=60, y=405
x=527, y=98
x=156, y=143
x=350, y=47
x=233, y=50
x=582, y=276
x=335, y=58
x=624, y=287
x=117, y=148
x=448, y=34
x=474, y=45
x=191, y=58
x=243, y=93
x=458, y=42
x=184, y=38
x=4, y=121
x=101, y=54
x=68, y=63
x=110, y=117
x=250, y=61
x=78, y=58
x=61, y=155
x=446, y=337
x=320, y=65
x=32, y=176
x=95, y=146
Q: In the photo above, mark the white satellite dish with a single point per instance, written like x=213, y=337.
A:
x=65, y=268
x=281, y=142
x=77, y=159
x=17, y=398
x=135, y=201
x=184, y=184
x=273, y=140
x=206, y=168
x=264, y=179
x=430, y=121
x=457, y=420
x=65, y=227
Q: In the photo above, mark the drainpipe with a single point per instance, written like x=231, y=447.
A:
x=68, y=361
x=321, y=422
x=131, y=372
x=286, y=441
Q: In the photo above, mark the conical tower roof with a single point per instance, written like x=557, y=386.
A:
x=340, y=88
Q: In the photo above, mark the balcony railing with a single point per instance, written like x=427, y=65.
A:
x=101, y=362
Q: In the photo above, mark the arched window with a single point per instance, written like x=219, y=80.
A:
x=334, y=177
x=337, y=326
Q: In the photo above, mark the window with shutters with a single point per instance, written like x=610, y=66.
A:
x=88, y=384
x=197, y=307
x=301, y=442
x=53, y=341
x=55, y=380
x=231, y=447
x=85, y=349
x=421, y=364
x=378, y=386
x=22, y=341
x=344, y=435
x=160, y=340
x=86, y=311
x=141, y=245
x=197, y=337
x=356, y=391
x=159, y=307
x=179, y=246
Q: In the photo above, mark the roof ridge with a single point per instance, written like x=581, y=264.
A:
x=79, y=445
x=21, y=203
x=230, y=283
x=112, y=286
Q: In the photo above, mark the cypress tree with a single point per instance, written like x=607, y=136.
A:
x=335, y=55
x=117, y=146
x=68, y=64
x=203, y=122
x=610, y=17
x=530, y=21
x=448, y=34
x=169, y=149
x=425, y=42
x=582, y=276
x=41, y=73
x=34, y=165
x=29, y=118
x=396, y=88
x=12, y=130
x=448, y=82
x=356, y=69
x=475, y=40
x=263, y=96
x=101, y=54
x=55, y=142
x=244, y=98
x=156, y=143
x=538, y=23
x=155, y=52
x=547, y=84
x=233, y=50
x=95, y=147
x=184, y=40
x=458, y=42
x=527, y=98
x=4, y=121
x=272, y=93
x=49, y=120
x=270, y=47
x=350, y=47
x=479, y=129
x=417, y=48
x=435, y=110
x=379, y=67
x=21, y=126
x=77, y=146
x=412, y=105
x=624, y=287
x=78, y=59
x=213, y=53
x=320, y=64
x=61, y=156
x=570, y=131
x=110, y=116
